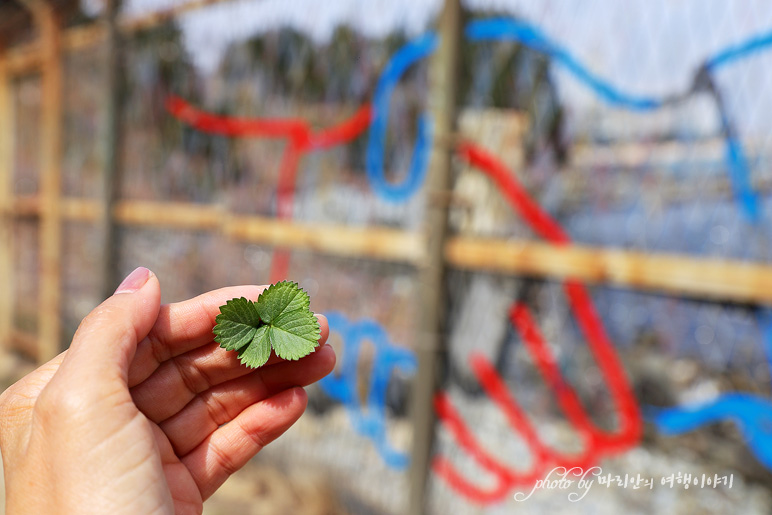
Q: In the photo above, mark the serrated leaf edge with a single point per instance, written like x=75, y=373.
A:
x=306, y=303
x=305, y=299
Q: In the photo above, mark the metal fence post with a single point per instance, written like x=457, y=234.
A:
x=111, y=145
x=443, y=74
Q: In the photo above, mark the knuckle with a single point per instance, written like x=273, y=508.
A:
x=257, y=438
x=192, y=376
x=116, y=317
x=218, y=410
x=225, y=461
x=57, y=405
x=158, y=348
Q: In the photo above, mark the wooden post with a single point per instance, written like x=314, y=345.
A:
x=443, y=74
x=6, y=205
x=49, y=318
x=111, y=178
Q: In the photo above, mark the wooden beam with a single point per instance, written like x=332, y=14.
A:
x=23, y=58
x=49, y=321
x=367, y=242
x=674, y=274
x=26, y=343
x=28, y=206
x=157, y=18
x=371, y=242
x=178, y=215
x=634, y=154
x=28, y=57
x=6, y=206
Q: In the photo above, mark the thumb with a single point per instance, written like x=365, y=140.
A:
x=106, y=340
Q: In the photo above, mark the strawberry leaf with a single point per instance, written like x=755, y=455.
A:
x=236, y=324
x=280, y=320
x=294, y=330
x=256, y=354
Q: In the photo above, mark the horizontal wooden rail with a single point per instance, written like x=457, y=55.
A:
x=365, y=242
x=667, y=273
x=26, y=343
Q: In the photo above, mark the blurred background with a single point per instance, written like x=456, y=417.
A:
x=540, y=230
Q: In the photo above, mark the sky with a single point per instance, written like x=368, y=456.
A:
x=644, y=47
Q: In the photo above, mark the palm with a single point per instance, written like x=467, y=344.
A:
x=182, y=487
x=193, y=388
x=173, y=419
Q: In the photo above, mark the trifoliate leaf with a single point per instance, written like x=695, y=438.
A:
x=280, y=319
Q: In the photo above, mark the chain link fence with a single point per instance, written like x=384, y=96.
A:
x=607, y=262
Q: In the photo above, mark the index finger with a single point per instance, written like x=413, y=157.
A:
x=182, y=327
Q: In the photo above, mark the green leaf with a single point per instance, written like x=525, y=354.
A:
x=236, y=324
x=257, y=353
x=283, y=297
x=294, y=330
x=280, y=320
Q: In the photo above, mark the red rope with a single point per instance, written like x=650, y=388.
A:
x=597, y=443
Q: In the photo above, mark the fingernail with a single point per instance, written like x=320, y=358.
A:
x=134, y=281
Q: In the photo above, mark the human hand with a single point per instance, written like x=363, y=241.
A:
x=145, y=413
